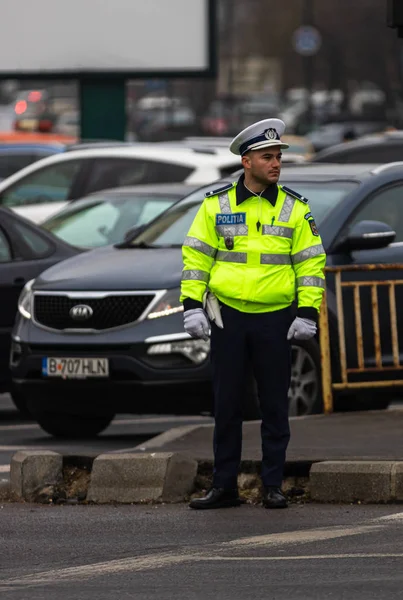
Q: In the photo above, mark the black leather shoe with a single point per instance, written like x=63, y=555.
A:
x=217, y=498
x=274, y=498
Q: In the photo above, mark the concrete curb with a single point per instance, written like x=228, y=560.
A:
x=131, y=478
x=45, y=477
x=33, y=474
x=357, y=481
x=136, y=477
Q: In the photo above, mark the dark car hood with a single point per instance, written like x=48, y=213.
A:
x=115, y=269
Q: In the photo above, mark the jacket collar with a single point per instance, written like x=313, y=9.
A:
x=242, y=193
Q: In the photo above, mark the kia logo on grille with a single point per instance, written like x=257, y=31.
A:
x=81, y=312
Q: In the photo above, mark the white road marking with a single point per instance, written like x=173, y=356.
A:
x=305, y=557
x=159, y=561
x=395, y=517
x=6, y=448
x=195, y=421
x=300, y=537
x=21, y=427
x=4, y=468
x=136, y=563
x=119, y=422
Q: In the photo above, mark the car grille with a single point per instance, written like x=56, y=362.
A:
x=53, y=311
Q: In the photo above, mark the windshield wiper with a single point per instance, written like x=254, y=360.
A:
x=146, y=246
x=131, y=245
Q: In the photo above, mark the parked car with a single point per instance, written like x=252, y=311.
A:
x=25, y=251
x=16, y=156
x=105, y=217
x=33, y=111
x=300, y=148
x=40, y=109
x=45, y=187
x=102, y=333
x=329, y=134
x=383, y=147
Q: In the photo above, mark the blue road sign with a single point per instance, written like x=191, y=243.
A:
x=306, y=40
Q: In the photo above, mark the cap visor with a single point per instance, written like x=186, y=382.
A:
x=268, y=144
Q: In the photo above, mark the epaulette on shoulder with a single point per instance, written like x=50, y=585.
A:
x=295, y=194
x=221, y=190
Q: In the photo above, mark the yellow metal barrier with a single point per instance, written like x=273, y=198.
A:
x=327, y=383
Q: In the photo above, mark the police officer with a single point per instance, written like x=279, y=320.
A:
x=255, y=247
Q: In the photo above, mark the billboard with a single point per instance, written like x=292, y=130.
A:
x=134, y=38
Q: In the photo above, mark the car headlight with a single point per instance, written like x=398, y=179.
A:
x=195, y=350
x=25, y=300
x=168, y=305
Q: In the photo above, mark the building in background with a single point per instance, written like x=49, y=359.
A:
x=350, y=69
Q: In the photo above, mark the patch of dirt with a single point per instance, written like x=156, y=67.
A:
x=250, y=487
x=76, y=481
x=73, y=488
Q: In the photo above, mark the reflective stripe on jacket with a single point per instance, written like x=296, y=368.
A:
x=272, y=255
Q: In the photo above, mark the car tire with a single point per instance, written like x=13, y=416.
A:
x=305, y=394
x=20, y=402
x=71, y=426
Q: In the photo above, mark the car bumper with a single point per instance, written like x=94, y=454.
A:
x=139, y=379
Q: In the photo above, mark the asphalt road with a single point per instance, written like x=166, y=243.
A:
x=126, y=431
x=169, y=552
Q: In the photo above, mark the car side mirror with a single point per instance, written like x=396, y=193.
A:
x=366, y=235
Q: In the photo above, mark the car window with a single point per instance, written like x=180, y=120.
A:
x=50, y=184
x=295, y=148
x=364, y=155
x=323, y=197
x=106, y=222
x=171, y=228
x=5, y=250
x=375, y=154
x=116, y=172
x=173, y=225
x=386, y=206
x=229, y=170
x=37, y=245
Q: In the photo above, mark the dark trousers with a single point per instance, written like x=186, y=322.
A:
x=258, y=340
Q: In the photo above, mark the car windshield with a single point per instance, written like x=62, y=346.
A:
x=105, y=220
x=171, y=228
x=323, y=196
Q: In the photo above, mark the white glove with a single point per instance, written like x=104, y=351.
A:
x=301, y=329
x=196, y=323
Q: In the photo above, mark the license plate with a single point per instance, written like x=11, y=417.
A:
x=75, y=368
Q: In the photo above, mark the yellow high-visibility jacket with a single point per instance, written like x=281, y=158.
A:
x=255, y=257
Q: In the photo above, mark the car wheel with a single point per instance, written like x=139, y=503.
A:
x=305, y=393
x=20, y=402
x=71, y=426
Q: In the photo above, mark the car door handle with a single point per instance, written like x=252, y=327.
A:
x=19, y=281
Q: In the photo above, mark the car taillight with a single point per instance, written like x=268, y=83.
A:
x=45, y=125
